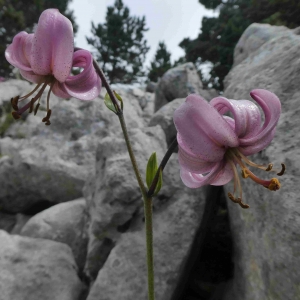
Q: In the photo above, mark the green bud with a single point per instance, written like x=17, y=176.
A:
x=109, y=104
x=151, y=170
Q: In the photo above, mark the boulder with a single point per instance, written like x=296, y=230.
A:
x=65, y=223
x=178, y=82
x=164, y=118
x=266, y=236
x=177, y=217
x=112, y=193
x=37, y=269
x=51, y=163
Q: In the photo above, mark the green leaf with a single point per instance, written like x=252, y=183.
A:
x=109, y=104
x=159, y=183
x=119, y=98
x=151, y=169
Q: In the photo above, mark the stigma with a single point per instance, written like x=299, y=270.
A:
x=234, y=157
x=30, y=106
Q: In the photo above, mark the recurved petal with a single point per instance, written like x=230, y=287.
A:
x=224, y=176
x=190, y=162
x=194, y=180
x=258, y=145
x=271, y=107
x=18, y=52
x=87, y=84
x=246, y=115
x=203, y=131
x=53, y=45
x=32, y=77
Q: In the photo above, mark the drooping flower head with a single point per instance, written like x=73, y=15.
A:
x=46, y=57
x=211, y=144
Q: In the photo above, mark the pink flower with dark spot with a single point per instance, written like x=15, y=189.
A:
x=212, y=145
x=46, y=57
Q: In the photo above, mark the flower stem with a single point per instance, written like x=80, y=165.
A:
x=147, y=200
x=149, y=245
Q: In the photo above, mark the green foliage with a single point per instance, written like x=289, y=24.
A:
x=219, y=35
x=152, y=167
x=16, y=16
x=160, y=64
x=120, y=45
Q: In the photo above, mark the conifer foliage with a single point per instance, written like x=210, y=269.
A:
x=160, y=64
x=119, y=44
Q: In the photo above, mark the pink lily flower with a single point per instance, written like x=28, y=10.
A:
x=46, y=57
x=211, y=145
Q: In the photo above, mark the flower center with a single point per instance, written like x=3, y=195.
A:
x=235, y=157
x=40, y=87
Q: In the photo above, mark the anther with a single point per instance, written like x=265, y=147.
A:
x=47, y=123
x=46, y=119
x=274, y=184
x=269, y=167
x=36, y=108
x=14, y=103
x=15, y=115
x=31, y=105
x=245, y=174
x=282, y=170
x=242, y=204
x=238, y=200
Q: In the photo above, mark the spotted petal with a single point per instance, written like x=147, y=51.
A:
x=203, y=130
x=18, y=52
x=53, y=46
x=245, y=113
x=86, y=85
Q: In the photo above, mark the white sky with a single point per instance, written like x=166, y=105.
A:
x=168, y=20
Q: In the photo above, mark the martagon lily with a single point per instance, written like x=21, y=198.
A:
x=46, y=57
x=212, y=145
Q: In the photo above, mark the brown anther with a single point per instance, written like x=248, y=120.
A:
x=36, y=108
x=31, y=105
x=47, y=116
x=47, y=123
x=14, y=103
x=245, y=173
x=238, y=200
x=274, y=184
x=242, y=204
x=15, y=115
x=282, y=170
x=269, y=167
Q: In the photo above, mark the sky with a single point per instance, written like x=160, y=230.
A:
x=168, y=20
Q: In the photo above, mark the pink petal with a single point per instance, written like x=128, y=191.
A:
x=246, y=115
x=194, y=180
x=52, y=48
x=87, y=84
x=271, y=107
x=203, y=131
x=18, y=52
x=224, y=176
x=191, y=163
x=32, y=77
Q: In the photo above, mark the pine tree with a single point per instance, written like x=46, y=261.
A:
x=16, y=16
x=120, y=45
x=161, y=63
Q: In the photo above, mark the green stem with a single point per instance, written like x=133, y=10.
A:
x=149, y=245
x=147, y=200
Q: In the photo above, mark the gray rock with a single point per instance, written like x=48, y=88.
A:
x=112, y=194
x=65, y=223
x=151, y=87
x=254, y=37
x=266, y=236
x=178, y=82
x=51, y=163
x=164, y=118
x=37, y=269
x=175, y=224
